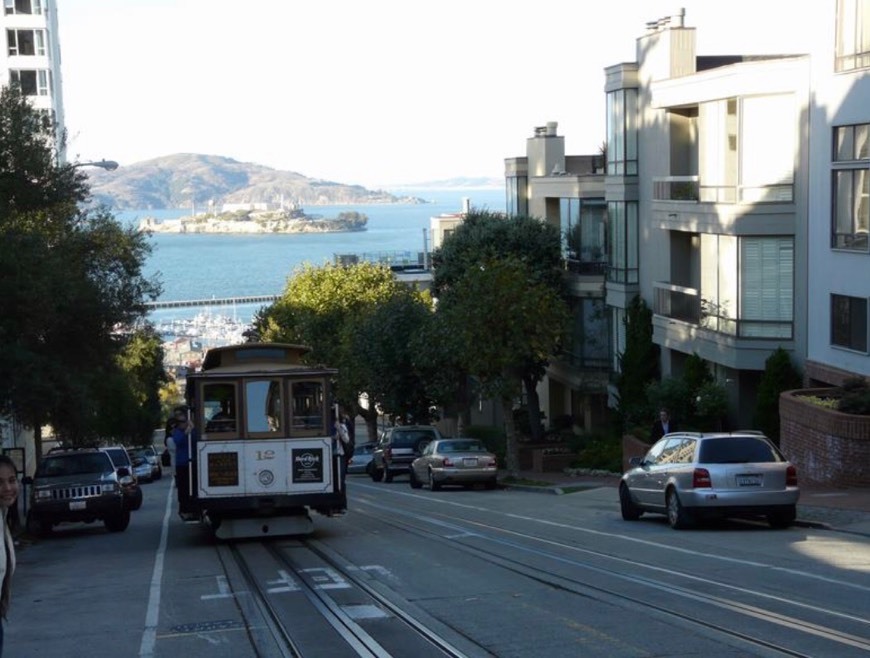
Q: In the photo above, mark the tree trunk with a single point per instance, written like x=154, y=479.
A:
x=534, y=408
x=371, y=418
x=511, y=444
x=37, y=443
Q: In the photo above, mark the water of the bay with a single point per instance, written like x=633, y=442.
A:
x=207, y=266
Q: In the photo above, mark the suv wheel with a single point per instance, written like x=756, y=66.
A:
x=117, y=522
x=388, y=476
x=38, y=527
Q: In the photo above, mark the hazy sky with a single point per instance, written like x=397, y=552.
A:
x=372, y=92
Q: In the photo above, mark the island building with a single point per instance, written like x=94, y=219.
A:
x=31, y=56
x=733, y=197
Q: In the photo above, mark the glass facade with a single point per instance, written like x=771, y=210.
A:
x=582, y=225
x=517, y=196
x=622, y=242
x=622, y=132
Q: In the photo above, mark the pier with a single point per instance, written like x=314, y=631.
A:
x=213, y=301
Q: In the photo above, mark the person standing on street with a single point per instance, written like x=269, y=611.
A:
x=662, y=426
x=8, y=499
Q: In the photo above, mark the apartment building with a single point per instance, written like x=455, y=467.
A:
x=30, y=56
x=735, y=203
x=838, y=286
x=568, y=192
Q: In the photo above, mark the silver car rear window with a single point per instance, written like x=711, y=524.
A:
x=737, y=450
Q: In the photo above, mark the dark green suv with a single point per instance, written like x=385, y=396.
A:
x=78, y=486
x=397, y=448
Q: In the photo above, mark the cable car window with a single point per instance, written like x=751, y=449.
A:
x=219, y=404
x=308, y=406
x=263, y=405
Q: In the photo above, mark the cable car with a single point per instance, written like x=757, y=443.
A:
x=263, y=454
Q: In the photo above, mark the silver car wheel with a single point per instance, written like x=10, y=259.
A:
x=678, y=517
x=433, y=485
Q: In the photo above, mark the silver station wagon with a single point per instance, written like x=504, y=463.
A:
x=691, y=475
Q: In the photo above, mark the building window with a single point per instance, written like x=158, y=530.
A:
x=849, y=322
x=589, y=343
x=622, y=132
x=622, y=243
x=23, y=6
x=851, y=188
x=25, y=42
x=853, y=35
x=766, y=287
x=517, y=201
x=582, y=224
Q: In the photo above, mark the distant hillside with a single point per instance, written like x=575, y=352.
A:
x=185, y=179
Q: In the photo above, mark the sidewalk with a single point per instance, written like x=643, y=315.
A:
x=844, y=510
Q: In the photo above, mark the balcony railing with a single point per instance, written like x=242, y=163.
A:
x=689, y=188
x=576, y=266
x=685, y=304
x=677, y=302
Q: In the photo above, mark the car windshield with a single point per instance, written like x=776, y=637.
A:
x=410, y=438
x=737, y=450
x=119, y=456
x=73, y=465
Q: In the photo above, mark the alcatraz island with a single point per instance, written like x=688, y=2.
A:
x=257, y=220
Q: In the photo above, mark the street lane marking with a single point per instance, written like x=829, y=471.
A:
x=152, y=616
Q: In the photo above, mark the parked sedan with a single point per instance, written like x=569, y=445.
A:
x=362, y=457
x=454, y=461
x=690, y=475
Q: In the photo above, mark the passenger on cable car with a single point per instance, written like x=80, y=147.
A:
x=184, y=439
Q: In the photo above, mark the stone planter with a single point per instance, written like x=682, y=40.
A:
x=828, y=447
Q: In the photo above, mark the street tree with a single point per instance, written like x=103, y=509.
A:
x=319, y=307
x=70, y=276
x=382, y=357
x=504, y=319
x=484, y=236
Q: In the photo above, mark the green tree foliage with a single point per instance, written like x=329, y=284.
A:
x=69, y=277
x=486, y=237
x=383, y=361
x=319, y=308
x=779, y=375
x=503, y=319
x=639, y=365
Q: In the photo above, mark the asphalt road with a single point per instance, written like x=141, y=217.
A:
x=504, y=573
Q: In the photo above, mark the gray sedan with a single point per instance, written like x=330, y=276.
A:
x=689, y=475
x=454, y=461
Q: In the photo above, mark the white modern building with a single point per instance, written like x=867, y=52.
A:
x=30, y=56
x=737, y=195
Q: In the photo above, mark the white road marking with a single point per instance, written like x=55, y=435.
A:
x=152, y=616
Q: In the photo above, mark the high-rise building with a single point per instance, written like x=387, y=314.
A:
x=30, y=56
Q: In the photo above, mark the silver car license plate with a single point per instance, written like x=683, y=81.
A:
x=750, y=480
x=469, y=461
x=77, y=504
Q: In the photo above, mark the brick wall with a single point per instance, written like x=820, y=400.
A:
x=632, y=447
x=828, y=447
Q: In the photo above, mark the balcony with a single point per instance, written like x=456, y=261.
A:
x=686, y=305
x=689, y=188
